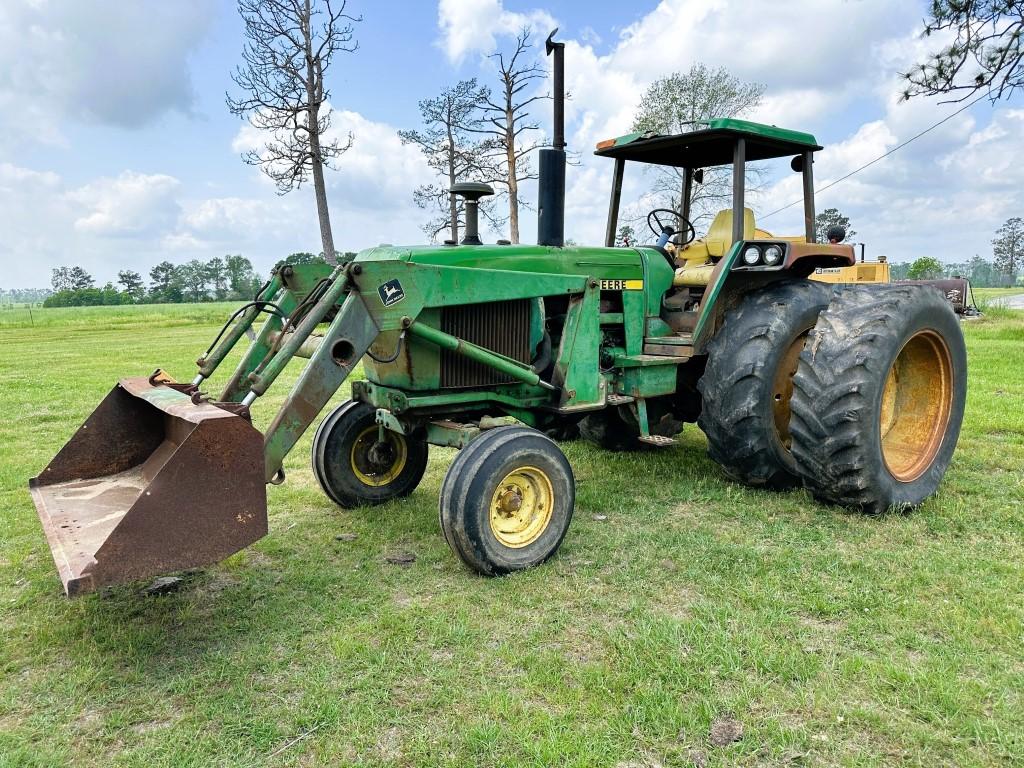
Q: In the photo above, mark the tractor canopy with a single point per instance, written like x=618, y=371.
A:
x=711, y=146
x=725, y=141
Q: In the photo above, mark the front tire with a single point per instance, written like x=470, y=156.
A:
x=507, y=501
x=748, y=382
x=878, y=398
x=355, y=468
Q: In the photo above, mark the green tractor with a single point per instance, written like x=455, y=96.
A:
x=856, y=393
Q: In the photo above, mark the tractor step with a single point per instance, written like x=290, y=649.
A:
x=618, y=400
x=657, y=440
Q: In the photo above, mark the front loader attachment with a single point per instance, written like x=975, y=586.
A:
x=152, y=482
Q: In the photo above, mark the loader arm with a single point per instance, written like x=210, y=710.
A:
x=347, y=339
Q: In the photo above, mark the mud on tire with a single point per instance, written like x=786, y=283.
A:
x=748, y=380
x=878, y=397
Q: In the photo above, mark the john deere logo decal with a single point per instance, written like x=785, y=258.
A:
x=622, y=285
x=391, y=293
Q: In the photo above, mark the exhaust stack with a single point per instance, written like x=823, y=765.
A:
x=551, y=187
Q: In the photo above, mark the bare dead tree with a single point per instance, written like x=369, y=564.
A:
x=290, y=46
x=507, y=123
x=447, y=143
x=987, y=52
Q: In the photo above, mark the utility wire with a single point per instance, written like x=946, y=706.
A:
x=880, y=157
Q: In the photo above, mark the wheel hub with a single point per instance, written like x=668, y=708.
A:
x=521, y=507
x=916, y=403
x=377, y=462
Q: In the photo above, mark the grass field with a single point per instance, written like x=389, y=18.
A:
x=677, y=600
x=988, y=294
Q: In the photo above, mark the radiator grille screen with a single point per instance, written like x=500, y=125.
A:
x=502, y=327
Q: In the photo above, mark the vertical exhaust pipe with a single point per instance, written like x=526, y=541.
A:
x=551, y=162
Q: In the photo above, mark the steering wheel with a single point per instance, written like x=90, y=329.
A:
x=687, y=230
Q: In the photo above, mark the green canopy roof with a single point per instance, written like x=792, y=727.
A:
x=709, y=146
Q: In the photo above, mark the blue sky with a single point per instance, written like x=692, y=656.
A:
x=116, y=149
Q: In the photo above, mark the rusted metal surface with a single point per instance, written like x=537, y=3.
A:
x=151, y=483
x=956, y=290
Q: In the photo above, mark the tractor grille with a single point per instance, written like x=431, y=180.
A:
x=502, y=327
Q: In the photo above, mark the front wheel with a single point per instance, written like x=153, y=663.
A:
x=507, y=501
x=355, y=467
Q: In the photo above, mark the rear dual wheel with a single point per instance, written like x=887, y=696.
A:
x=878, y=398
x=748, y=382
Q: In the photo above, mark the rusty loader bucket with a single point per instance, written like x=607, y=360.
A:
x=152, y=482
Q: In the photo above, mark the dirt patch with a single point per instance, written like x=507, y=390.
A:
x=819, y=633
x=401, y=558
x=678, y=603
x=152, y=725
x=726, y=730
x=217, y=582
x=389, y=745
x=442, y=655
x=258, y=559
x=89, y=720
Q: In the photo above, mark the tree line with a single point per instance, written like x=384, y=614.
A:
x=218, y=279
x=1005, y=269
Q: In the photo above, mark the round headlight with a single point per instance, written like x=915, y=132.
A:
x=772, y=255
x=751, y=256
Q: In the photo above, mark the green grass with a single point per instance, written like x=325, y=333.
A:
x=127, y=316
x=677, y=598
x=988, y=294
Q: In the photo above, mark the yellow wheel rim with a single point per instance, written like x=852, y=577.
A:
x=916, y=404
x=521, y=507
x=377, y=463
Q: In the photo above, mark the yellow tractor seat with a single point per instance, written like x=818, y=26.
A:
x=719, y=237
x=696, y=257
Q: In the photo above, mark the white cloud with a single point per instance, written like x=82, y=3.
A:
x=129, y=205
x=120, y=64
x=473, y=26
x=370, y=190
x=831, y=68
x=136, y=219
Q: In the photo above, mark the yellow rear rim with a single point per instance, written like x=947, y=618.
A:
x=521, y=507
x=916, y=404
x=782, y=389
x=377, y=463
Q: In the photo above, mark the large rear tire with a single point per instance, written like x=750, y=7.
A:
x=507, y=501
x=748, y=382
x=355, y=468
x=878, y=397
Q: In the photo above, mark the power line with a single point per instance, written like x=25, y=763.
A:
x=880, y=157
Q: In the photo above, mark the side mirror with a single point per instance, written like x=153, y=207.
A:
x=797, y=163
x=698, y=176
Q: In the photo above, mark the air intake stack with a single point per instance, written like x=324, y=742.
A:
x=551, y=187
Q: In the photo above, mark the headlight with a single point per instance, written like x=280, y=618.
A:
x=772, y=255
x=751, y=256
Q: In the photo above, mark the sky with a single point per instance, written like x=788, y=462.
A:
x=117, y=150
